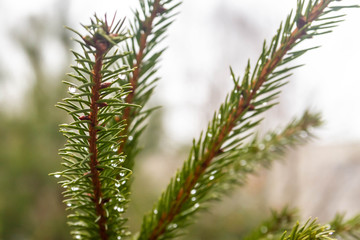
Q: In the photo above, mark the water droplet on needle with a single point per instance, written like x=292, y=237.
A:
x=72, y=89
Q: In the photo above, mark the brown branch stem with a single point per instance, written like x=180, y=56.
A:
x=184, y=193
x=95, y=174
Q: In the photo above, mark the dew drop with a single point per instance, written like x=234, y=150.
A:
x=304, y=134
x=211, y=177
x=122, y=160
x=193, y=199
x=265, y=104
x=118, y=238
x=57, y=175
x=213, y=172
x=122, y=174
x=263, y=229
x=74, y=188
x=122, y=77
x=327, y=227
x=261, y=146
x=219, y=116
x=68, y=204
x=197, y=205
x=193, y=191
x=117, y=185
x=243, y=163
x=78, y=237
x=155, y=211
x=178, y=179
x=173, y=226
x=72, y=89
x=123, y=182
x=209, y=135
x=130, y=138
x=268, y=137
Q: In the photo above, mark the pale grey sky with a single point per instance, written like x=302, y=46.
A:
x=201, y=49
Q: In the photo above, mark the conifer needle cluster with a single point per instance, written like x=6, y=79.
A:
x=115, y=76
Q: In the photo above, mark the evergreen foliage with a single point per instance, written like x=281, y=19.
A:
x=94, y=175
x=275, y=226
x=148, y=28
x=30, y=138
x=116, y=74
x=346, y=229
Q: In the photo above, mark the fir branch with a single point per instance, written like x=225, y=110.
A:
x=232, y=167
x=237, y=164
x=310, y=230
x=346, y=229
x=275, y=225
x=230, y=126
x=148, y=27
x=94, y=175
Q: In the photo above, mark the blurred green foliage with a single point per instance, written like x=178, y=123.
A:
x=30, y=202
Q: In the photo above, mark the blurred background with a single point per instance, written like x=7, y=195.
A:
x=208, y=36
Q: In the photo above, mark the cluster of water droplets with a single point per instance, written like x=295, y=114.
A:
x=172, y=226
x=113, y=163
x=212, y=175
x=119, y=209
x=193, y=198
x=118, y=184
x=114, y=148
